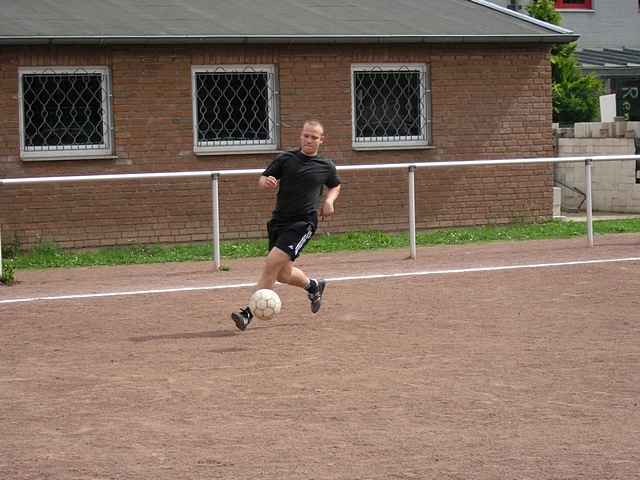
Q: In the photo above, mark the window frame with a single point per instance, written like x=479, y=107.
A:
x=561, y=5
x=223, y=147
x=69, y=152
x=425, y=95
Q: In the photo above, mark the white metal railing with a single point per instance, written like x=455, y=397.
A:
x=215, y=175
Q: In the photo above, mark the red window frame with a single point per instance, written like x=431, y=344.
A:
x=574, y=4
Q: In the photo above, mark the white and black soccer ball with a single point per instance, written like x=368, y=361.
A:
x=265, y=304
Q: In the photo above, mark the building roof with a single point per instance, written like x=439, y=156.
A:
x=610, y=62
x=268, y=21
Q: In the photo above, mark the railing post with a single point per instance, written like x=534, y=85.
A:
x=215, y=177
x=412, y=210
x=589, y=199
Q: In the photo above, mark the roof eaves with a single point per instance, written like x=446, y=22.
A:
x=263, y=39
x=611, y=72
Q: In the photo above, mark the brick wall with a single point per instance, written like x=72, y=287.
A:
x=487, y=102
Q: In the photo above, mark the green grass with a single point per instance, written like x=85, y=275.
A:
x=47, y=254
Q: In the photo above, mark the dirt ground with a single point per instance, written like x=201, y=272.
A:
x=523, y=373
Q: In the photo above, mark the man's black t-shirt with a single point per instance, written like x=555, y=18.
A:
x=301, y=181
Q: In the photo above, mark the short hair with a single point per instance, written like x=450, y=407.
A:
x=314, y=123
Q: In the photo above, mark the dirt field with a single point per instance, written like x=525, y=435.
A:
x=521, y=373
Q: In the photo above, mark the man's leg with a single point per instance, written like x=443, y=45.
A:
x=280, y=264
x=315, y=288
x=276, y=264
x=293, y=276
x=279, y=267
x=276, y=261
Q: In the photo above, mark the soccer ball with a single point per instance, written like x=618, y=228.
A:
x=265, y=304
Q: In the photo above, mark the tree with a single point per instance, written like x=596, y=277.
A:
x=544, y=10
x=575, y=95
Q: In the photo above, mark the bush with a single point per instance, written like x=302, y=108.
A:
x=544, y=10
x=577, y=100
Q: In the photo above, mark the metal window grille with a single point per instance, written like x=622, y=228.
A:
x=64, y=111
x=390, y=105
x=235, y=107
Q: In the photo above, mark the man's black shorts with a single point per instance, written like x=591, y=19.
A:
x=291, y=236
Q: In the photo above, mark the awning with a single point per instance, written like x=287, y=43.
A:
x=610, y=62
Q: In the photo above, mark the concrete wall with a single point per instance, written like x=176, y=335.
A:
x=614, y=186
x=611, y=23
x=487, y=102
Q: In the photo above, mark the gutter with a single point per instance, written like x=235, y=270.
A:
x=556, y=37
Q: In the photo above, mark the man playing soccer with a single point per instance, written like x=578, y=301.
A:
x=299, y=177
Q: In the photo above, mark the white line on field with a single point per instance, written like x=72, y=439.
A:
x=334, y=279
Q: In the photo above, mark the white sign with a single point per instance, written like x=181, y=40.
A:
x=607, y=107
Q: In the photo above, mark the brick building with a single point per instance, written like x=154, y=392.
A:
x=196, y=85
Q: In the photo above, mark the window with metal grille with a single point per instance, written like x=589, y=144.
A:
x=574, y=4
x=390, y=105
x=234, y=108
x=64, y=112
